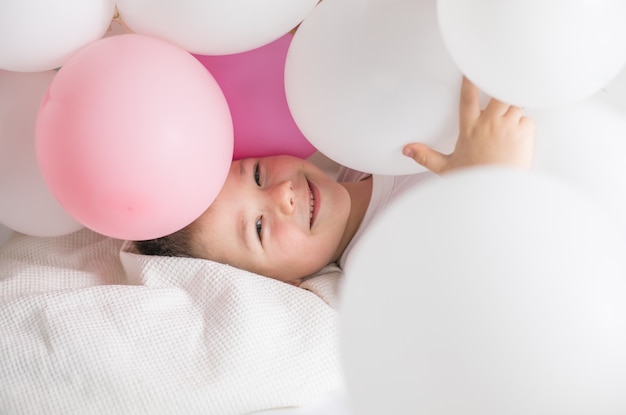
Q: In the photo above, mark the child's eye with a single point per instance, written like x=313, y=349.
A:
x=259, y=226
x=257, y=175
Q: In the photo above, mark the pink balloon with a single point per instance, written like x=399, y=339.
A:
x=254, y=88
x=134, y=137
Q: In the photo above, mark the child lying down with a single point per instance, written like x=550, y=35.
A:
x=284, y=218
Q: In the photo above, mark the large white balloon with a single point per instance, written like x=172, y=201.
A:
x=364, y=78
x=38, y=35
x=585, y=145
x=5, y=234
x=215, y=27
x=27, y=205
x=489, y=292
x=536, y=53
x=615, y=91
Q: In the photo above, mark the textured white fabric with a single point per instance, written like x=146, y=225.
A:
x=88, y=328
x=326, y=284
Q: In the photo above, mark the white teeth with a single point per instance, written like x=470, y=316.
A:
x=312, y=205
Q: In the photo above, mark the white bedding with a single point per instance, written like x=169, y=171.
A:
x=335, y=403
x=86, y=327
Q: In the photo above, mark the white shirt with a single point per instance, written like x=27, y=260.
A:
x=385, y=189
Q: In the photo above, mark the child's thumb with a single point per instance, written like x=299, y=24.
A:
x=427, y=157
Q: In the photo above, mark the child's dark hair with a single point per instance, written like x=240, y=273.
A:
x=176, y=244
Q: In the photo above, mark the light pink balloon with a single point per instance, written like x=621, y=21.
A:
x=134, y=137
x=253, y=83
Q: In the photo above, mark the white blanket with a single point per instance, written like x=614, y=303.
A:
x=87, y=328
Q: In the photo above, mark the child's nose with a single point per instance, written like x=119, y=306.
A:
x=284, y=196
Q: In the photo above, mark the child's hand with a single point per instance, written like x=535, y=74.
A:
x=498, y=135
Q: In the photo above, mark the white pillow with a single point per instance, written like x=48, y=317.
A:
x=89, y=326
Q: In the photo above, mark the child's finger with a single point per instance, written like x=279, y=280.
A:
x=427, y=157
x=469, y=106
x=528, y=123
x=496, y=107
x=515, y=112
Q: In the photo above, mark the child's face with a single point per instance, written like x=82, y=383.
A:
x=278, y=216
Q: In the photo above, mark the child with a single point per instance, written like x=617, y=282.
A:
x=284, y=218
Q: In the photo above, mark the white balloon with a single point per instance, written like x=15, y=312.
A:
x=489, y=292
x=615, y=91
x=5, y=234
x=27, y=205
x=585, y=145
x=365, y=78
x=536, y=53
x=38, y=35
x=215, y=27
